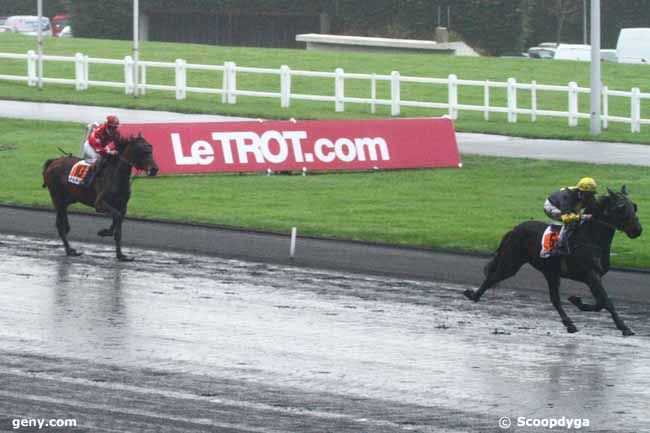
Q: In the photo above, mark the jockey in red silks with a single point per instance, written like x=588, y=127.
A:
x=101, y=142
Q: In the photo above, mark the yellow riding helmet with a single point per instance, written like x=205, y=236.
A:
x=587, y=184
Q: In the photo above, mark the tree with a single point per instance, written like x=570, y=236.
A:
x=495, y=26
x=22, y=7
x=561, y=11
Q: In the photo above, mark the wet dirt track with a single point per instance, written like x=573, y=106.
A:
x=186, y=343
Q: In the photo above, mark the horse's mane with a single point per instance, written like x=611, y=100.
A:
x=598, y=205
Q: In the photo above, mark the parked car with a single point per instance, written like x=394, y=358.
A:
x=633, y=46
x=545, y=50
x=2, y=21
x=6, y=29
x=28, y=25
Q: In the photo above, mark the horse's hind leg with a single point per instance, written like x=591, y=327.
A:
x=63, y=227
x=62, y=224
x=498, y=270
x=554, y=291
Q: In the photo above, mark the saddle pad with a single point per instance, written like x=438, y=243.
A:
x=79, y=172
x=550, y=240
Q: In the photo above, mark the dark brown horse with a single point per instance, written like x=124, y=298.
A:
x=110, y=192
x=589, y=261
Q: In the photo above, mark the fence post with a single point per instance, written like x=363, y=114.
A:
x=128, y=75
x=31, y=68
x=635, y=109
x=79, y=71
x=373, y=93
x=285, y=86
x=86, y=69
x=486, y=100
x=181, y=79
x=512, y=100
x=224, y=83
x=452, y=97
x=605, y=107
x=232, y=83
x=573, y=103
x=143, y=79
x=533, y=101
x=339, y=90
x=394, y=93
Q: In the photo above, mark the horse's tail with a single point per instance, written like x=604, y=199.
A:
x=45, y=166
x=492, y=264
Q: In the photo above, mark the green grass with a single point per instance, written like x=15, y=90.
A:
x=464, y=209
x=616, y=76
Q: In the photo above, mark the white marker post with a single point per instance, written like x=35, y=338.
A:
x=292, y=248
x=39, y=34
x=136, y=46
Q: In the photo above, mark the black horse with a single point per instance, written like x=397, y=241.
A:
x=588, y=262
x=110, y=192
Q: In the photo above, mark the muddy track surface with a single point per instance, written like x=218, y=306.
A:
x=179, y=342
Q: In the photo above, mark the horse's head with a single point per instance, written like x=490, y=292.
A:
x=139, y=153
x=618, y=210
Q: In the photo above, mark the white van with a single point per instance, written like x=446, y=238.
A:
x=28, y=25
x=633, y=46
x=581, y=53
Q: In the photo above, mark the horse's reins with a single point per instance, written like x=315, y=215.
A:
x=612, y=226
x=130, y=164
x=604, y=223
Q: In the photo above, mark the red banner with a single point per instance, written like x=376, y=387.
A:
x=297, y=145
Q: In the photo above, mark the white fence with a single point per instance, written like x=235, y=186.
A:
x=229, y=90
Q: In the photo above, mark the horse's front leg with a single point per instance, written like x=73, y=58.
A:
x=111, y=230
x=602, y=301
x=118, y=217
x=553, y=280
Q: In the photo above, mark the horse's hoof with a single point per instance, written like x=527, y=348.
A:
x=575, y=300
x=627, y=332
x=571, y=329
x=469, y=294
x=123, y=258
x=73, y=253
x=105, y=232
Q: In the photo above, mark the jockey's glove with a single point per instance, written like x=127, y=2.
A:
x=569, y=218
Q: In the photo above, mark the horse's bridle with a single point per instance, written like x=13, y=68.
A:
x=625, y=227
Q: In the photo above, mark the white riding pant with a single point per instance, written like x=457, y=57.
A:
x=556, y=214
x=90, y=155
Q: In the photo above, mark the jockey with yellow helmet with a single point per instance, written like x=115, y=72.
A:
x=567, y=205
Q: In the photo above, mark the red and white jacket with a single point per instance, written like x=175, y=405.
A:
x=100, y=140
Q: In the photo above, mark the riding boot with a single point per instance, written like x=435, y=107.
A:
x=88, y=180
x=563, y=248
x=93, y=172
